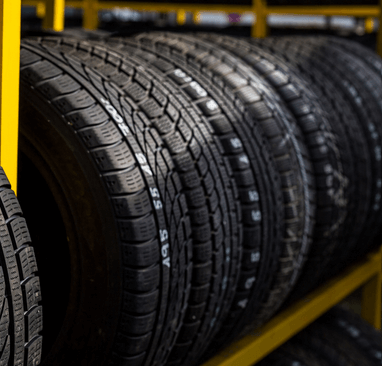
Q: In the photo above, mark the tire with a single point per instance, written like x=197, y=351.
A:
x=331, y=171
x=338, y=338
x=346, y=120
x=293, y=354
x=362, y=336
x=367, y=68
x=237, y=82
x=21, y=311
x=361, y=52
x=339, y=341
x=255, y=176
x=369, y=86
x=204, y=172
x=123, y=209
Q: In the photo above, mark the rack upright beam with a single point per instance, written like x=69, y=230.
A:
x=54, y=15
x=90, y=20
x=379, y=37
x=10, y=17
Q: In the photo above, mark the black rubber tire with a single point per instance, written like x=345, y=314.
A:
x=369, y=86
x=366, y=66
x=363, y=337
x=255, y=175
x=293, y=354
x=342, y=345
x=237, y=82
x=331, y=171
x=205, y=174
x=124, y=210
x=20, y=293
x=361, y=52
x=347, y=123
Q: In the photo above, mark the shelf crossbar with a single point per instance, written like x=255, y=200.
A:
x=54, y=13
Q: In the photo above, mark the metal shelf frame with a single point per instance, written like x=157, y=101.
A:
x=366, y=275
x=53, y=19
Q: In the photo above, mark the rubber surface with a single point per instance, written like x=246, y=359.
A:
x=331, y=172
x=341, y=342
x=136, y=177
x=345, y=122
x=215, y=221
x=369, y=86
x=338, y=338
x=256, y=178
x=20, y=295
x=363, y=337
x=293, y=354
x=240, y=84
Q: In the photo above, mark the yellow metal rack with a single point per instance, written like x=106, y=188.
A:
x=254, y=347
x=54, y=18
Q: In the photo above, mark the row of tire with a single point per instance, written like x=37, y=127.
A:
x=191, y=185
x=338, y=338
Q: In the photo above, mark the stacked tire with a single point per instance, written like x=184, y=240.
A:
x=195, y=184
x=337, y=338
x=20, y=293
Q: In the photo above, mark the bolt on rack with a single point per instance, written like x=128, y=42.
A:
x=254, y=347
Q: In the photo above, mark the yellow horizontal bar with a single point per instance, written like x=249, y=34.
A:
x=254, y=347
x=163, y=7
x=32, y=2
x=359, y=11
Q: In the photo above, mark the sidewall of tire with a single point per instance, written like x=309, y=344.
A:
x=95, y=295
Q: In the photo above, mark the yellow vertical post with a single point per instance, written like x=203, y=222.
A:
x=10, y=17
x=90, y=20
x=54, y=15
x=369, y=25
x=196, y=17
x=259, y=29
x=41, y=10
x=371, y=298
x=379, y=38
x=181, y=17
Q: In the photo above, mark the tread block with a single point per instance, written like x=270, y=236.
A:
x=33, y=352
x=132, y=205
x=138, y=325
x=4, y=182
x=125, y=182
x=33, y=322
x=32, y=292
x=132, y=345
x=106, y=134
x=141, y=255
x=41, y=71
x=142, y=280
x=27, y=262
x=63, y=84
x=113, y=157
x=10, y=203
x=140, y=303
x=19, y=231
x=138, y=230
x=91, y=116
x=70, y=102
